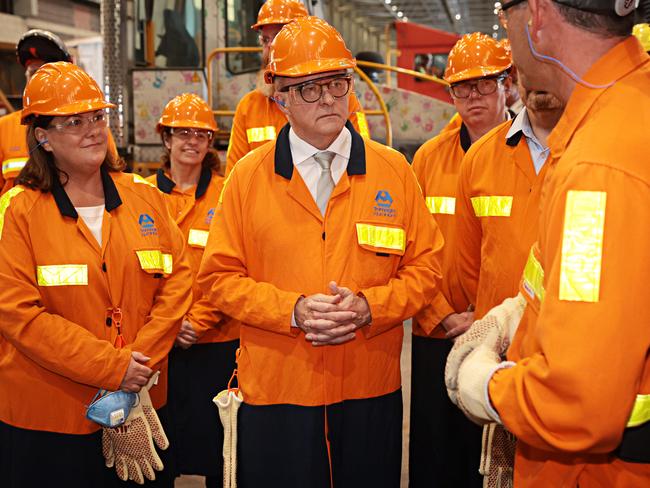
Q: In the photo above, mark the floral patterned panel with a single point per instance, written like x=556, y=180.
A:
x=414, y=117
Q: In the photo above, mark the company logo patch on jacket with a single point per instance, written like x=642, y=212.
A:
x=208, y=217
x=147, y=226
x=383, y=203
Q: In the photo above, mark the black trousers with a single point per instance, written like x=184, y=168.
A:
x=285, y=445
x=196, y=375
x=444, y=446
x=38, y=459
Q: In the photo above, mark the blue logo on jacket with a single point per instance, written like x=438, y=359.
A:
x=208, y=218
x=147, y=225
x=383, y=202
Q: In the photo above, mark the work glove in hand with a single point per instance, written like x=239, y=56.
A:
x=130, y=447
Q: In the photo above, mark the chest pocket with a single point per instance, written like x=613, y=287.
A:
x=379, y=256
x=155, y=262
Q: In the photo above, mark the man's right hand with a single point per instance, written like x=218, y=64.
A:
x=457, y=323
x=137, y=374
x=337, y=328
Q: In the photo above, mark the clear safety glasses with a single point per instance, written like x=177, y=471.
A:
x=312, y=91
x=185, y=134
x=79, y=124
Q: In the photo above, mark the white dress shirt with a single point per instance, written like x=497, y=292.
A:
x=538, y=152
x=303, y=158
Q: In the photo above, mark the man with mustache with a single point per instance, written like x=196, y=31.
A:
x=497, y=210
x=444, y=446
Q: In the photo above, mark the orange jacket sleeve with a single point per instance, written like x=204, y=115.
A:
x=156, y=338
x=419, y=274
x=574, y=389
x=204, y=316
x=50, y=340
x=238, y=145
x=468, y=236
x=223, y=271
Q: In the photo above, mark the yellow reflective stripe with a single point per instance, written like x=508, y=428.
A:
x=139, y=179
x=362, y=122
x=197, y=237
x=640, y=412
x=582, y=245
x=377, y=236
x=5, y=200
x=154, y=260
x=259, y=134
x=13, y=165
x=492, y=206
x=62, y=275
x=442, y=205
x=533, y=279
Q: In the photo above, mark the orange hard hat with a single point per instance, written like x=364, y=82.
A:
x=61, y=89
x=187, y=110
x=280, y=12
x=475, y=56
x=505, y=44
x=307, y=46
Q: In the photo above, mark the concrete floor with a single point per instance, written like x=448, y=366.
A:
x=198, y=481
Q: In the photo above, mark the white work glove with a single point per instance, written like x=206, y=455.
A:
x=474, y=375
x=504, y=318
x=130, y=447
x=497, y=457
x=228, y=401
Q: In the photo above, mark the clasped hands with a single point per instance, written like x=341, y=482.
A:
x=331, y=319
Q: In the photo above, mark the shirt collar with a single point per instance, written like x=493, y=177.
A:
x=165, y=184
x=619, y=61
x=284, y=159
x=301, y=150
x=521, y=127
x=112, y=198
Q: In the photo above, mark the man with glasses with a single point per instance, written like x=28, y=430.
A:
x=576, y=387
x=258, y=119
x=445, y=447
x=322, y=247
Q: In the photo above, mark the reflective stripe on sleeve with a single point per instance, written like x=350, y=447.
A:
x=640, y=412
x=492, y=206
x=13, y=166
x=362, y=122
x=533, y=279
x=582, y=245
x=5, y=200
x=441, y=205
x=260, y=134
x=139, y=179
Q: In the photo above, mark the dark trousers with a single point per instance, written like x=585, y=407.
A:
x=444, y=446
x=38, y=459
x=285, y=445
x=196, y=375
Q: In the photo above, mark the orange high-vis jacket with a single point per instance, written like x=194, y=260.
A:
x=583, y=369
x=258, y=120
x=436, y=165
x=497, y=210
x=14, y=152
x=193, y=210
x=61, y=298
x=269, y=245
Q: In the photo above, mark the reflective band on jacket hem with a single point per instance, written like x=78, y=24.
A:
x=197, y=237
x=362, y=122
x=154, y=260
x=259, y=134
x=5, y=200
x=492, y=206
x=582, y=245
x=640, y=412
x=533, y=281
x=62, y=275
x=13, y=165
x=442, y=205
x=377, y=236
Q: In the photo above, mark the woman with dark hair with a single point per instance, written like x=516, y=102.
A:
x=205, y=357
x=95, y=281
